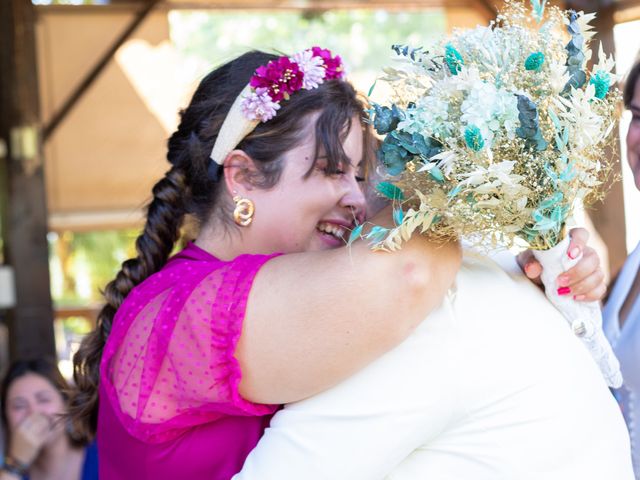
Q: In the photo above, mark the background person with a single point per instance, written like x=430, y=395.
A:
x=40, y=443
x=621, y=313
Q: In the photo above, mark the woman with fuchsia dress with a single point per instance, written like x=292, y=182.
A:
x=193, y=354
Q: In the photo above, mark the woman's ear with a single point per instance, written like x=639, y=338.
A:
x=239, y=169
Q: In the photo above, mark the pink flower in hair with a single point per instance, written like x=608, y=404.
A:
x=258, y=105
x=313, y=68
x=334, y=66
x=281, y=77
x=284, y=76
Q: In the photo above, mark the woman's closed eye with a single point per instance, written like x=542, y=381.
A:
x=18, y=405
x=44, y=400
x=359, y=178
x=330, y=172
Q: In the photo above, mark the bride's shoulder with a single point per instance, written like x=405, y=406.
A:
x=491, y=280
x=488, y=264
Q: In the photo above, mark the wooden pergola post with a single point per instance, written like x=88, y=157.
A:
x=23, y=210
x=608, y=217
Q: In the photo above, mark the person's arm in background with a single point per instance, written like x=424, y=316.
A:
x=24, y=446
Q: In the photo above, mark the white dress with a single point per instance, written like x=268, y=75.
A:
x=491, y=386
x=625, y=341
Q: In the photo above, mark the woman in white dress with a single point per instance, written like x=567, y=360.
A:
x=493, y=385
x=622, y=311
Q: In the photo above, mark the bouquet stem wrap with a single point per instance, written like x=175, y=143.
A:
x=584, y=318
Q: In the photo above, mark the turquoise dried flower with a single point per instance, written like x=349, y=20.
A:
x=473, y=138
x=534, y=61
x=453, y=59
x=602, y=81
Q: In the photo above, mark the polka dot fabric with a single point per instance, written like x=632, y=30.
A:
x=169, y=361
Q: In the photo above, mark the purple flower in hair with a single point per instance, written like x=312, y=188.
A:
x=281, y=77
x=258, y=105
x=277, y=80
x=334, y=66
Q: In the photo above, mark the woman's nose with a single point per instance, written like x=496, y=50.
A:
x=354, y=199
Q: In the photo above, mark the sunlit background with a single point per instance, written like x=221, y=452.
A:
x=83, y=260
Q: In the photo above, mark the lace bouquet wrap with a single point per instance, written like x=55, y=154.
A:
x=496, y=134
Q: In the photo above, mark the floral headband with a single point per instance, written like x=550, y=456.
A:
x=260, y=99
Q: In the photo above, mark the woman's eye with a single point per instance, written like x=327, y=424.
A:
x=338, y=172
x=331, y=172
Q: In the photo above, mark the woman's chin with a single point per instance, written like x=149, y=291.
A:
x=327, y=241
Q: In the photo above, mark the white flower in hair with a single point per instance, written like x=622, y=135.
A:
x=313, y=68
x=258, y=105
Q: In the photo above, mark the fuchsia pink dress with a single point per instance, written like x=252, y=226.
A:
x=169, y=401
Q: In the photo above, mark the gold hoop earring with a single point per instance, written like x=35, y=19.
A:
x=243, y=213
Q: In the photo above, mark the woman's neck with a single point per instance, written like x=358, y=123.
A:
x=221, y=241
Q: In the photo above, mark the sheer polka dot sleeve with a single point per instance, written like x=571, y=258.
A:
x=169, y=362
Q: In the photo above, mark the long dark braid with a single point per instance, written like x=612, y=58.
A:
x=187, y=189
x=164, y=218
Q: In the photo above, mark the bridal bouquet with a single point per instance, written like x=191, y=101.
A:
x=497, y=133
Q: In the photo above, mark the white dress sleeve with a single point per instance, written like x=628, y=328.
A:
x=364, y=427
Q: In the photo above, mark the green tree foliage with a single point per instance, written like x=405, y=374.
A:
x=82, y=263
x=362, y=37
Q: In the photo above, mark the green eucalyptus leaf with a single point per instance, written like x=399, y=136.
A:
x=385, y=119
x=355, y=234
x=372, y=87
x=390, y=191
x=554, y=119
x=437, y=175
x=398, y=216
x=454, y=191
x=377, y=234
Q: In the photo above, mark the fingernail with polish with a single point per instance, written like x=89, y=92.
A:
x=564, y=291
x=563, y=280
x=573, y=253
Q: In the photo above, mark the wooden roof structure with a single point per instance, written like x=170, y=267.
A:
x=61, y=84
x=99, y=161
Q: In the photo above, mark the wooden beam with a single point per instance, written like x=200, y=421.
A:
x=627, y=11
x=318, y=4
x=135, y=5
x=489, y=8
x=23, y=209
x=97, y=69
